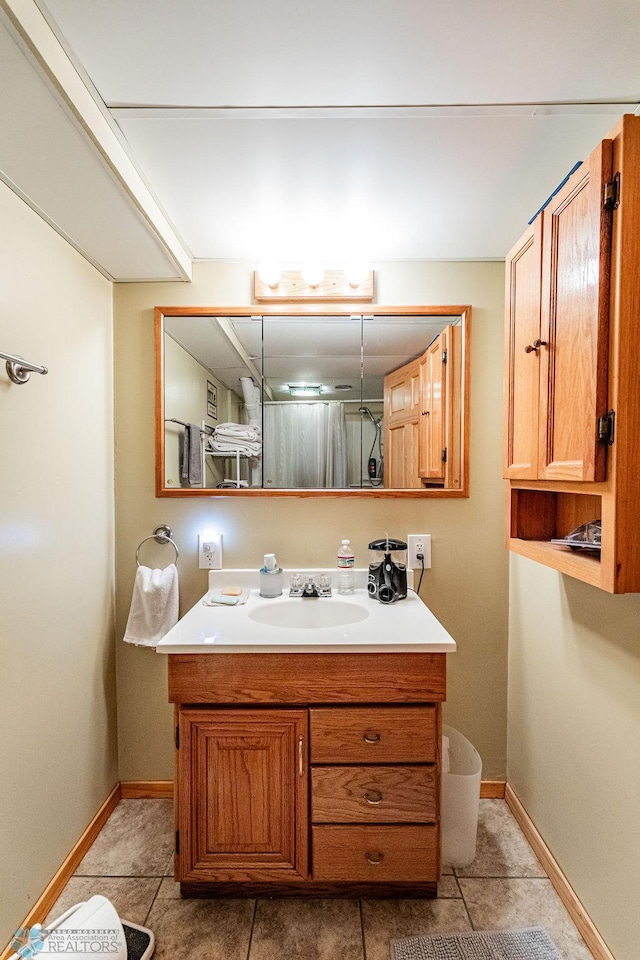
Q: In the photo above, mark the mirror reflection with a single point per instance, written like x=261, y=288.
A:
x=323, y=402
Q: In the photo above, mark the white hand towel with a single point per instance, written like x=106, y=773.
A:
x=154, y=605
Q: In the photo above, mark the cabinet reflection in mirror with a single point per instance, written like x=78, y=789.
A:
x=307, y=403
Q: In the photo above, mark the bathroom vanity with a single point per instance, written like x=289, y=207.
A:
x=308, y=757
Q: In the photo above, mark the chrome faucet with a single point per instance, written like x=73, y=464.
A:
x=310, y=586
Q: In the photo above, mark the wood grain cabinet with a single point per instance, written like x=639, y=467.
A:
x=422, y=416
x=297, y=786
x=243, y=801
x=572, y=355
x=402, y=407
x=432, y=442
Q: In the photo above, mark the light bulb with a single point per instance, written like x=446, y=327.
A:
x=357, y=272
x=270, y=272
x=312, y=273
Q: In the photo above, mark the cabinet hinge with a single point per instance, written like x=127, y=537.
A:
x=177, y=736
x=444, y=356
x=611, y=193
x=443, y=455
x=177, y=841
x=607, y=427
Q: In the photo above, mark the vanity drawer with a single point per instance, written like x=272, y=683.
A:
x=373, y=853
x=373, y=734
x=373, y=794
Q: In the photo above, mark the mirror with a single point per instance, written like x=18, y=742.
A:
x=298, y=402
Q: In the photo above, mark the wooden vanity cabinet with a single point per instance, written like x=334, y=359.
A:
x=307, y=774
x=572, y=355
x=242, y=802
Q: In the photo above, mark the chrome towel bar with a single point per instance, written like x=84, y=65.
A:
x=20, y=370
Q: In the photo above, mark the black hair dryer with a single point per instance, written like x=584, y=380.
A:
x=387, y=570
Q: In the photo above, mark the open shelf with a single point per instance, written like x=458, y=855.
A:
x=538, y=516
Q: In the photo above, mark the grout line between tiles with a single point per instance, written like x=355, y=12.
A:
x=253, y=923
x=364, y=942
x=464, y=902
x=155, y=897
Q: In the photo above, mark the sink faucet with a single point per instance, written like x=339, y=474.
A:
x=310, y=586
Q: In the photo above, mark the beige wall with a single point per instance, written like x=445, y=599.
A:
x=574, y=737
x=467, y=587
x=58, y=759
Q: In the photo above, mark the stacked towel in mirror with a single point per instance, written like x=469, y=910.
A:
x=233, y=437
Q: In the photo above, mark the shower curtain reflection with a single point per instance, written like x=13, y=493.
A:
x=305, y=444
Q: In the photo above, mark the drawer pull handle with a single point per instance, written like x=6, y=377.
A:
x=373, y=797
x=374, y=857
x=370, y=737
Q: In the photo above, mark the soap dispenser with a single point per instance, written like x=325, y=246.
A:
x=271, y=577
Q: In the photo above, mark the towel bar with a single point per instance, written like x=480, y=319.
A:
x=161, y=534
x=19, y=370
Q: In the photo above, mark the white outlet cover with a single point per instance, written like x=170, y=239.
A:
x=413, y=539
x=213, y=560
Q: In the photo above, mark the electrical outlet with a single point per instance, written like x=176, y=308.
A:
x=210, y=551
x=419, y=543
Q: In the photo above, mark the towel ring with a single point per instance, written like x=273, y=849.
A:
x=162, y=534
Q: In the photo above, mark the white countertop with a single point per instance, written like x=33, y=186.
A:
x=407, y=626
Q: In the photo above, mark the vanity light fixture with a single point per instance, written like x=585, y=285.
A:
x=357, y=272
x=313, y=273
x=270, y=272
x=314, y=283
x=305, y=389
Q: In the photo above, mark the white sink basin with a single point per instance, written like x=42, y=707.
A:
x=313, y=614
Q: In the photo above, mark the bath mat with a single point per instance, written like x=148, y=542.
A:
x=532, y=943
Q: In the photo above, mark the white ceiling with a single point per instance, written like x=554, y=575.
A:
x=403, y=129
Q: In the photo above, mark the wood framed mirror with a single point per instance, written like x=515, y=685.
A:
x=312, y=400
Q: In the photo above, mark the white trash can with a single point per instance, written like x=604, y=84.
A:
x=461, y=774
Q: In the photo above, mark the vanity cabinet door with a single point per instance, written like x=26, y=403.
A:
x=242, y=796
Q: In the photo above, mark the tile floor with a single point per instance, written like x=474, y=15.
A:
x=131, y=864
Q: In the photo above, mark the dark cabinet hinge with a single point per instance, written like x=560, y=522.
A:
x=607, y=427
x=444, y=356
x=177, y=841
x=443, y=455
x=611, y=193
x=178, y=737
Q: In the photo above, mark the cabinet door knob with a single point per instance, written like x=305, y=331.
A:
x=535, y=346
x=374, y=856
x=370, y=737
x=373, y=797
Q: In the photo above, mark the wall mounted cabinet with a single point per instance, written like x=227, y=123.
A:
x=572, y=405
x=423, y=439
